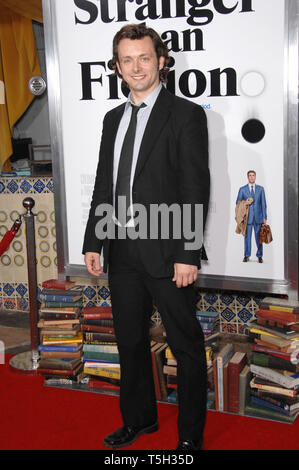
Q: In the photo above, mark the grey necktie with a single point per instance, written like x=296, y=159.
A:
x=122, y=190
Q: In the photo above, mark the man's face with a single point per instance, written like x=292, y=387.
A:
x=251, y=177
x=139, y=66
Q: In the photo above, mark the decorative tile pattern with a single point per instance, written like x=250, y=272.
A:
x=29, y=185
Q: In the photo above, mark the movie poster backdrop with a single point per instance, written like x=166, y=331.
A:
x=227, y=56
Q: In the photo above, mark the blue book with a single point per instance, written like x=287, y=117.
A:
x=43, y=347
x=58, y=298
x=266, y=404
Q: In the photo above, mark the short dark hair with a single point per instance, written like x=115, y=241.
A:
x=139, y=31
x=251, y=171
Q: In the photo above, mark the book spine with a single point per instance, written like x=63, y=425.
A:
x=43, y=347
x=98, y=329
x=219, y=362
x=265, y=360
x=60, y=354
x=233, y=379
x=98, y=322
x=104, y=316
x=214, y=365
x=272, y=389
x=103, y=372
x=50, y=304
x=266, y=404
x=56, y=298
x=101, y=356
x=273, y=376
x=43, y=371
x=100, y=348
x=96, y=383
x=96, y=336
x=205, y=319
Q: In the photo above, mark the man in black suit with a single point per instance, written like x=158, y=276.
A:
x=168, y=164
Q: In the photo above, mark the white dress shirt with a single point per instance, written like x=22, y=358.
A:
x=142, y=119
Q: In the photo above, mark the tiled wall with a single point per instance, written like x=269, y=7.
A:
x=236, y=309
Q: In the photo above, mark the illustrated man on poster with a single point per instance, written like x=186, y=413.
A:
x=254, y=195
x=160, y=156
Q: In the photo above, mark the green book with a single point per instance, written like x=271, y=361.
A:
x=101, y=356
x=48, y=303
x=266, y=413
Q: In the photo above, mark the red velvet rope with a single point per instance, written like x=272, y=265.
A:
x=9, y=236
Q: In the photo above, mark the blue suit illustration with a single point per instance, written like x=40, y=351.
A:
x=257, y=215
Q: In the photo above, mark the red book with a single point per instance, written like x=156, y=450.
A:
x=58, y=284
x=101, y=384
x=291, y=356
x=100, y=316
x=225, y=386
x=62, y=372
x=235, y=366
x=214, y=364
x=98, y=329
x=278, y=315
x=97, y=312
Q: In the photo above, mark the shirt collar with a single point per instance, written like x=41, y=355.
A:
x=149, y=100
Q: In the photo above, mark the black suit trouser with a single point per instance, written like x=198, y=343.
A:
x=133, y=293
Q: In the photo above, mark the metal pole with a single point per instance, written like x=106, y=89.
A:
x=27, y=362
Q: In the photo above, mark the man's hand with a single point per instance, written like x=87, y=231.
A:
x=184, y=274
x=93, y=263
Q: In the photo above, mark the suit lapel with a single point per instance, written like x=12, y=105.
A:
x=111, y=136
x=157, y=120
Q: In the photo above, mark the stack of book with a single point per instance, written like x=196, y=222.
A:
x=60, y=332
x=209, y=321
x=100, y=352
x=274, y=387
x=231, y=380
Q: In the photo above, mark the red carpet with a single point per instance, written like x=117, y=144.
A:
x=35, y=417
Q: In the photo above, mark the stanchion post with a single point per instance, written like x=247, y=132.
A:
x=29, y=203
x=28, y=362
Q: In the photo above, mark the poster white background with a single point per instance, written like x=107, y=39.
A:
x=252, y=43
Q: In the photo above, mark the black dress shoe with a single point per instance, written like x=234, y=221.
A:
x=191, y=446
x=245, y=259
x=260, y=260
x=127, y=435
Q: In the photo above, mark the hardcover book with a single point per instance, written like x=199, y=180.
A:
x=271, y=387
x=235, y=366
x=244, y=388
x=275, y=376
x=284, y=305
x=59, y=298
x=277, y=315
x=98, y=329
x=222, y=358
x=58, y=284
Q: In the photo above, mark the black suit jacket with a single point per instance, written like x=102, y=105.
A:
x=172, y=167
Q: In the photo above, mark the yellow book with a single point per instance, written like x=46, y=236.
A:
x=75, y=339
x=280, y=308
x=262, y=332
x=209, y=354
x=103, y=372
x=169, y=354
